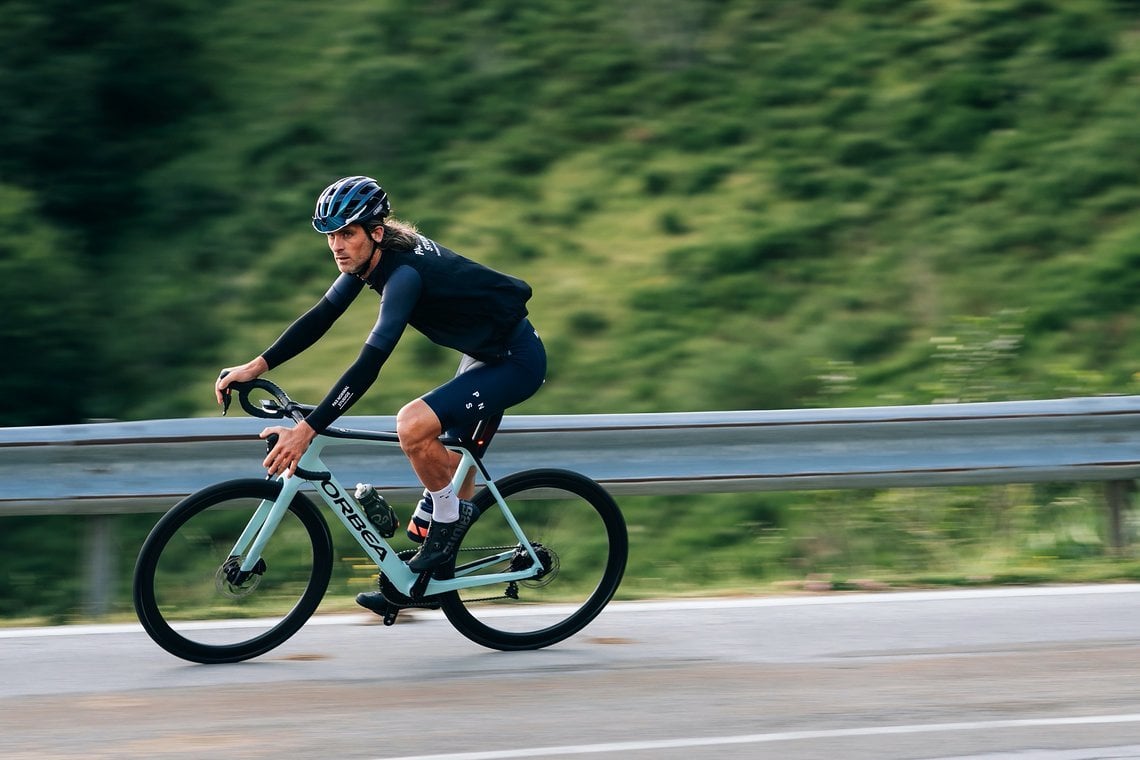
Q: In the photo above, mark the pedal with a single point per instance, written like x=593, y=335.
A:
x=387, y=612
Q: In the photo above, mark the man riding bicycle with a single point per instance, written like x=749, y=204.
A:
x=456, y=303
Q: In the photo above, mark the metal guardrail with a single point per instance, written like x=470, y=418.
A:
x=144, y=466
x=103, y=469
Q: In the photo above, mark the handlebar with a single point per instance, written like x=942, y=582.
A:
x=280, y=407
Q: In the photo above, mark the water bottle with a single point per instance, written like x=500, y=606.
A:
x=378, y=510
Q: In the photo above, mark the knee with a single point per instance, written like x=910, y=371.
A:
x=416, y=425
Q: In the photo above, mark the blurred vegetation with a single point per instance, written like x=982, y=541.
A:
x=721, y=205
x=697, y=545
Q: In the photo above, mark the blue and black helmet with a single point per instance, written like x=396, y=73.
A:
x=350, y=200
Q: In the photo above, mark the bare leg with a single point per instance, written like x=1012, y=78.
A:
x=419, y=430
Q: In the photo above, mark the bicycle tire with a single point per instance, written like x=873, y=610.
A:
x=583, y=536
x=179, y=576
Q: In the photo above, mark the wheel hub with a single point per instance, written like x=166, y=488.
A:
x=233, y=582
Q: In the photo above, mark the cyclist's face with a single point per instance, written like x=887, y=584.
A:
x=352, y=249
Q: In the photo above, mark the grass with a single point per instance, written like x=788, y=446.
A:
x=726, y=206
x=765, y=544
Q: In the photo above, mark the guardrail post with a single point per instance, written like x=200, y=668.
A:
x=100, y=564
x=1118, y=496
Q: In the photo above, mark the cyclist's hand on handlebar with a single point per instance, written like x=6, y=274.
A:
x=292, y=443
x=251, y=370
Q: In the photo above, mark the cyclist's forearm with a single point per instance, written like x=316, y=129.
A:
x=303, y=333
x=254, y=368
x=352, y=384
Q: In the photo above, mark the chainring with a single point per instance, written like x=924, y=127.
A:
x=400, y=599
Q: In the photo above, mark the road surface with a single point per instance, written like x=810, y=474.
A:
x=1003, y=674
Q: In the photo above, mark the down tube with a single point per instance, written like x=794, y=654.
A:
x=354, y=519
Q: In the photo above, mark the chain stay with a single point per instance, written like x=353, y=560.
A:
x=408, y=603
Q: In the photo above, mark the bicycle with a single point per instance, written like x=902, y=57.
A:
x=259, y=553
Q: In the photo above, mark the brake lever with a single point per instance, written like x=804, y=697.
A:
x=227, y=395
x=270, y=444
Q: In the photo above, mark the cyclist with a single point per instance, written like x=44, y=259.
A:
x=452, y=300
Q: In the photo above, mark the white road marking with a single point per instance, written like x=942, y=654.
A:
x=779, y=736
x=1130, y=752
x=661, y=605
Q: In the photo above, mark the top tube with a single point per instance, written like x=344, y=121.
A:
x=282, y=406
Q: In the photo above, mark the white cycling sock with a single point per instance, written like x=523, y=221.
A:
x=424, y=507
x=445, y=505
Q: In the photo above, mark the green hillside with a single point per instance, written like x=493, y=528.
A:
x=721, y=205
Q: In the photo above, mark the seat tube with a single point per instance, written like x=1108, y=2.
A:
x=466, y=466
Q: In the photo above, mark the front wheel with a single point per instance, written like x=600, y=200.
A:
x=190, y=594
x=580, y=538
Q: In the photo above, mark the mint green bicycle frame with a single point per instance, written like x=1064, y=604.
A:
x=311, y=469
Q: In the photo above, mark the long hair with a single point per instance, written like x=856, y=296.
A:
x=398, y=234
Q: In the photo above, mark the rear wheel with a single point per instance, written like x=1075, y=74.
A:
x=580, y=538
x=191, y=595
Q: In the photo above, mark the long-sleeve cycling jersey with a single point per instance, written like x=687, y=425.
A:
x=452, y=300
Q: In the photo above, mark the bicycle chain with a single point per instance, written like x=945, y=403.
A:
x=407, y=602
x=485, y=549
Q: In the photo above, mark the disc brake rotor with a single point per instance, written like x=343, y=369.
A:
x=231, y=582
